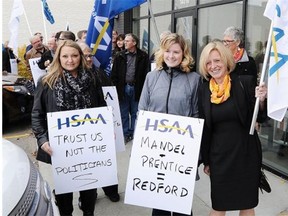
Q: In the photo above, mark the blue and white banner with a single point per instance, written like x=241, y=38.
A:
x=99, y=35
x=47, y=12
x=277, y=11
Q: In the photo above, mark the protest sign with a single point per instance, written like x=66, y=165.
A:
x=83, y=146
x=164, y=161
x=111, y=98
x=14, y=66
x=35, y=70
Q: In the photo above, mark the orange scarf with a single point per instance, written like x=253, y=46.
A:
x=219, y=94
x=238, y=55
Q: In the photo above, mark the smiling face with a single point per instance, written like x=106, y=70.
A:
x=120, y=43
x=173, y=55
x=216, y=67
x=70, y=59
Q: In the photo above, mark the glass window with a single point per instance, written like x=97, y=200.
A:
x=159, y=6
x=257, y=31
x=206, y=1
x=184, y=3
x=184, y=27
x=273, y=134
x=163, y=23
x=213, y=22
x=143, y=10
x=140, y=28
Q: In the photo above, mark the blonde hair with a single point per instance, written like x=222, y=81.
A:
x=166, y=42
x=55, y=70
x=224, y=52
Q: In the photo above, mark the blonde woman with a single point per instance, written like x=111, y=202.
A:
x=68, y=85
x=172, y=88
x=232, y=158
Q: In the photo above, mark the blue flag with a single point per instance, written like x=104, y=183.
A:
x=99, y=35
x=47, y=12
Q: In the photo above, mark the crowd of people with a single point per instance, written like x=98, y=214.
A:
x=222, y=93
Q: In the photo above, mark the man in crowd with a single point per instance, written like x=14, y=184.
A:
x=47, y=57
x=37, y=50
x=81, y=35
x=128, y=74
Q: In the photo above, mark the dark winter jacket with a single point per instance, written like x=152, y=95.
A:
x=118, y=74
x=45, y=102
x=247, y=66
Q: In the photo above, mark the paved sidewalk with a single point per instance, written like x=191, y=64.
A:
x=270, y=204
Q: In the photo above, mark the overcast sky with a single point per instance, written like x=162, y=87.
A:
x=76, y=12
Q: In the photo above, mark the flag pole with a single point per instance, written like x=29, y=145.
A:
x=154, y=21
x=44, y=23
x=256, y=108
x=27, y=21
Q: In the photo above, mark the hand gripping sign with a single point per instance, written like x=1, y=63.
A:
x=164, y=161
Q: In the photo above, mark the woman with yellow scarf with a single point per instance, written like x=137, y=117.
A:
x=232, y=158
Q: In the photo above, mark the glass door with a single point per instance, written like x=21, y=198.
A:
x=184, y=24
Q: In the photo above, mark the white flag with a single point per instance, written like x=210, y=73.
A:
x=17, y=11
x=277, y=11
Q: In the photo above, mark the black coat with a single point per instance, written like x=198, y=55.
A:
x=45, y=102
x=247, y=68
x=243, y=89
x=7, y=54
x=118, y=74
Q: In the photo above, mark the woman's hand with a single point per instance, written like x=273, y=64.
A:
x=46, y=147
x=261, y=92
x=207, y=170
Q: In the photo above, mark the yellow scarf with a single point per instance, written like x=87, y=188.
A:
x=219, y=94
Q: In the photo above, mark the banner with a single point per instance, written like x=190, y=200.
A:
x=277, y=11
x=164, y=161
x=17, y=11
x=14, y=66
x=111, y=98
x=99, y=35
x=47, y=12
x=35, y=70
x=83, y=146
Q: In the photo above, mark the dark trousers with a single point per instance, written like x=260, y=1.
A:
x=110, y=190
x=88, y=200
x=128, y=110
x=158, y=212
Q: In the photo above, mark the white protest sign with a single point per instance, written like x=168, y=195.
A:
x=111, y=98
x=83, y=146
x=36, y=71
x=163, y=163
x=14, y=66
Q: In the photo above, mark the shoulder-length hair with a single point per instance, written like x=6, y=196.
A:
x=224, y=52
x=55, y=70
x=168, y=40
